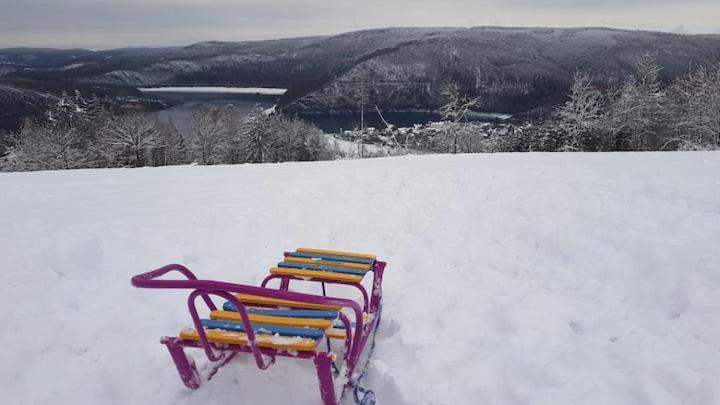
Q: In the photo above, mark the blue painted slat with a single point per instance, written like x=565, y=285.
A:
x=264, y=329
x=321, y=267
x=332, y=257
x=292, y=313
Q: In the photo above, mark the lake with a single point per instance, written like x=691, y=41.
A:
x=184, y=101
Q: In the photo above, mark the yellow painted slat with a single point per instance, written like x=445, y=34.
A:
x=260, y=300
x=238, y=338
x=335, y=333
x=273, y=320
x=314, y=274
x=336, y=253
x=354, y=266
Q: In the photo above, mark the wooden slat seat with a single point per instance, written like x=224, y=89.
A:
x=293, y=313
x=336, y=333
x=273, y=320
x=240, y=338
x=321, y=267
x=337, y=253
x=333, y=255
x=275, y=316
x=314, y=274
x=304, y=332
x=356, y=266
x=262, y=300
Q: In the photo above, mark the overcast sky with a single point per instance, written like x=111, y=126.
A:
x=115, y=23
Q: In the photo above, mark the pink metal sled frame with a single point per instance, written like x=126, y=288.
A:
x=221, y=354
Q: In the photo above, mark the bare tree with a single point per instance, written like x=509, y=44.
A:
x=580, y=115
x=362, y=100
x=55, y=141
x=232, y=149
x=170, y=149
x=454, y=111
x=78, y=133
x=132, y=138
x=391, y=131
x=209, y=132
x=290, y=139
x=258, y=137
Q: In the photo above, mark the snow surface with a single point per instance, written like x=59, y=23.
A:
x=356, y=150
x=72, y=66
x=588, y=279
x=227, y=90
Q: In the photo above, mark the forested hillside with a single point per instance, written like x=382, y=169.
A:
x=514, y=70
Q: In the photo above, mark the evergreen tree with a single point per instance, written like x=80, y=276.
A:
x=638, y=116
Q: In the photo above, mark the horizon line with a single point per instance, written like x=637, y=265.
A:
x=281, y=38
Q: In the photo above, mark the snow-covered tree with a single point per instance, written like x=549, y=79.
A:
x=457, y=104
x=579, y=117
x=232, y=150
x=649, y=106
x=695, y=105
x=81, y=132
x=227, y=135
x=258, y=137
x=637, y=113
x=6, y=141
x=208, y=136
x=290, y=139
x=132, y=138
x=57, y=140
x=171, y=148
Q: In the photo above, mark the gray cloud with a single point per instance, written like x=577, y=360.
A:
x=112, y=23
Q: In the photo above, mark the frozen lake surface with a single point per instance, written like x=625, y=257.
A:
x=221, y=90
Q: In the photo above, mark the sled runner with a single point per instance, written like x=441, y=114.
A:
x=337, y=334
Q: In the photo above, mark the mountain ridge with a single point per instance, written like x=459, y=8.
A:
x=513, y=69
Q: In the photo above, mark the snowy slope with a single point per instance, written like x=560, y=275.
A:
x=513, y=279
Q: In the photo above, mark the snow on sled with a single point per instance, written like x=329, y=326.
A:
x=269, y=323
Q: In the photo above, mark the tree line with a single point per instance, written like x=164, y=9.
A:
x=640, y=114
x=76, y=132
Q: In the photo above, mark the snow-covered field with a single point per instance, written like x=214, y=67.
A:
x=548, y=279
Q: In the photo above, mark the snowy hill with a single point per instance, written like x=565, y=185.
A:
x=513, y=279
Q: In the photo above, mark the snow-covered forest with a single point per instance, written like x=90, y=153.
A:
x=639, y=114
x=79, y=133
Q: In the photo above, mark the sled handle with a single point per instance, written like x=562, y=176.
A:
x=149, y=280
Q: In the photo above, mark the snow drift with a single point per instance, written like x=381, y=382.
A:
x=512, y=279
